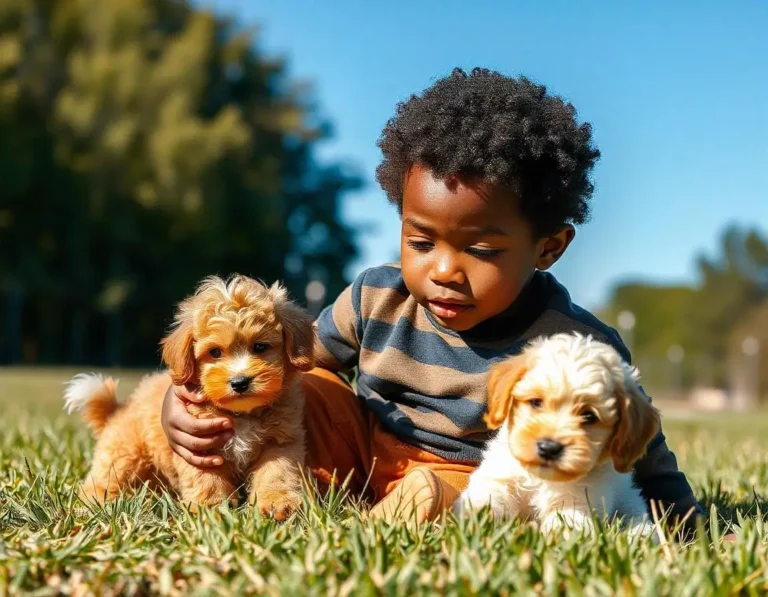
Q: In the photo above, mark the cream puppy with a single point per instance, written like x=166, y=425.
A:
x=572, y=421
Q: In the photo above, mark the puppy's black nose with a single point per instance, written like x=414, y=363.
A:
x=549, y=449
x=240, y=384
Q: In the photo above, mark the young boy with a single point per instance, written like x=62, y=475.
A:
x=490, y=174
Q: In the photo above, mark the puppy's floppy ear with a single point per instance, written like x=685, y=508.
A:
x=639, y=422
x=178, y=351
x=298, y=331
x=501, y=382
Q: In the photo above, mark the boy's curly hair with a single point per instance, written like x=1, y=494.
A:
x=500, y=130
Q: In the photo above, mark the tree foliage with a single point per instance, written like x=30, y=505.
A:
x=753, y=325
x=145, y=144
x=709, y=320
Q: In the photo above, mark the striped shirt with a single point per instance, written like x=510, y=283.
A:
x=428, y=384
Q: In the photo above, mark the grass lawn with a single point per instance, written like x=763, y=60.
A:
x=50, y=544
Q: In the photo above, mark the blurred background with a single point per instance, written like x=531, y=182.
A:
x=145, y=144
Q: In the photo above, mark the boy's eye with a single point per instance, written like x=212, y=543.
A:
x=259, y=348
x=536, y=403
x=483, y=253
x=215, y=352
x=420, y=245
x=589, y=417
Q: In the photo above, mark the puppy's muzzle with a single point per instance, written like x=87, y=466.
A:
x=549, y=449
x=240, y=384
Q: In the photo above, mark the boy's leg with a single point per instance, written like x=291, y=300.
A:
x=337, y=431
x=422, y=495
x=419, y=486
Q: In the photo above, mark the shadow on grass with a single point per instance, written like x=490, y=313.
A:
x=729, y=508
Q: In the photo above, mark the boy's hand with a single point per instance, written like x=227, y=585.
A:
x=189, y=436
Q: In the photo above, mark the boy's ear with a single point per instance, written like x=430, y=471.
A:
x=501, y=383
x=551, y=248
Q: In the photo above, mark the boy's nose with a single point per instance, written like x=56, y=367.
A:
x=446, y=271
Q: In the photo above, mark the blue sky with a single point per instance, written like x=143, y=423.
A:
x=677, y=93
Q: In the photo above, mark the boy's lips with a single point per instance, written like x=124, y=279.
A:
x=446, y=308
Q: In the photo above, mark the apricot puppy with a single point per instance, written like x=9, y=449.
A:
x=244, y=345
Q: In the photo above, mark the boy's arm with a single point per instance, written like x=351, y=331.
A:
x=657, y=475
x=337, y=345
x=659, y=479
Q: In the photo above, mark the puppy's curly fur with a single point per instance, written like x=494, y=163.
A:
x=572, y=422
x=244, y=345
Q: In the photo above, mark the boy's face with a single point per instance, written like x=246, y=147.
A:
x=466, y=251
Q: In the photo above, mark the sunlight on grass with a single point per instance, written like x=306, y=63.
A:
x=50, y=543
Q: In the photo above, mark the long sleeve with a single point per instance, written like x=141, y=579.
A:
x=659, y=479
x=337, y=345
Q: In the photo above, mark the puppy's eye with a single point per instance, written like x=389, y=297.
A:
x=215, y=352
x=589, y=417
x=259, y=348
x=536, y=403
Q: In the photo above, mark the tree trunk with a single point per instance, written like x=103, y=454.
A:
x=13, y=314
x=115, y=312
x=80, y=287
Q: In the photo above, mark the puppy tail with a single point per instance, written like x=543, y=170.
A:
x=94, y=396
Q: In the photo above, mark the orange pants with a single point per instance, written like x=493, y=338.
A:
x=344, y=437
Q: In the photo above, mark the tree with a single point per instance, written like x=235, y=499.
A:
x=707, y=320
x=661, y=313
x=145, y=144
x=732, y=285
x=752, y=327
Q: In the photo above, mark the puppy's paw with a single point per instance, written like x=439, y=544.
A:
x=462, y=505
x=482, y=494
x=95, y=495
x=193, y=507
x=197, y=503
x=643, y=529
x=278, y=504
x=564, y=523
x=551, y=524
